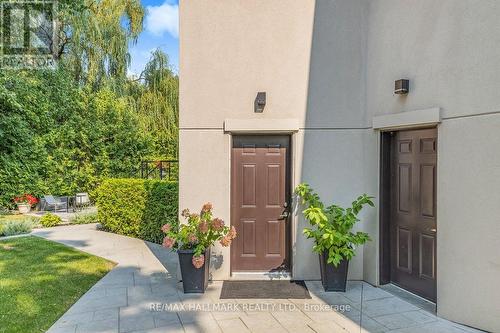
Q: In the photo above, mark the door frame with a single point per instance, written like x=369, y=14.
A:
x=385, y=195
x=288, y=193
x=385, y=169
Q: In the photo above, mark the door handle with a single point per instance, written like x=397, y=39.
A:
x=432, y=229
x=284, y=215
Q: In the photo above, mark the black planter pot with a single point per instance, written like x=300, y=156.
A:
x=194, y=280
x=333, y=278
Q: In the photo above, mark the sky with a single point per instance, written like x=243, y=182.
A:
x=161, y=30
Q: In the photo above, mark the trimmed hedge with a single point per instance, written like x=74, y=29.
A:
x=137, y=207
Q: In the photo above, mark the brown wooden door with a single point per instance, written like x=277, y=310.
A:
x=259, y=195
x=413, y=202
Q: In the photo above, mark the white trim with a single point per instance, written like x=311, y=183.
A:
x=287, y=125
x=410, y=119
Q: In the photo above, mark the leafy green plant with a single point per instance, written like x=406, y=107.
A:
x=17, y=227
x=84, y=218
x=332, y=226
x=199, y=233
x=50, y=220
x=137, y=207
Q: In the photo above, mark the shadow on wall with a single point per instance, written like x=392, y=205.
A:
x=336, y=149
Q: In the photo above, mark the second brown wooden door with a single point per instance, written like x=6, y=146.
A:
x=413, y=220
x=258, y=203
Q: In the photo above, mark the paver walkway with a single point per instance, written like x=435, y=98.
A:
x=146, y=277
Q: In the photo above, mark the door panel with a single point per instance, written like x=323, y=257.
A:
x=413, y=212
x=259, y=190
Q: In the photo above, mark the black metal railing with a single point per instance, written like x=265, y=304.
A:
x=164, y=170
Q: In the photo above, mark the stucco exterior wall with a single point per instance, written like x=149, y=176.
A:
x=332, y=64
x=230, y=50
x=243, y=47
x=469, y=221
x=449, y=49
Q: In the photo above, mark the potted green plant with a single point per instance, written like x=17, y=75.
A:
x=335, y=242
x=192, y=241
x=25, y=202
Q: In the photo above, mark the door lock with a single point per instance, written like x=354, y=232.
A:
x=284, y=215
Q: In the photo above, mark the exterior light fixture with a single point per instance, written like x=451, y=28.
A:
x=260, y=102
x=402, y=86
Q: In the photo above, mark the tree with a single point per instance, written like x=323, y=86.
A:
x=156, y=99
x=94, y=36
x=59, y=138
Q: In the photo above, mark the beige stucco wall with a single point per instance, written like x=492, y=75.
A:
x=243, y=47
x=230, y=50
x=331, y=64
x=469, y=221
x=449, y=49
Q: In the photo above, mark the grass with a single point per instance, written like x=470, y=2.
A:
x=40, y=280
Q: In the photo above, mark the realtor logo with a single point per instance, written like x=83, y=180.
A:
x=27, y=33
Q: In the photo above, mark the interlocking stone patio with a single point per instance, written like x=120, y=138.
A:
x=146, y=275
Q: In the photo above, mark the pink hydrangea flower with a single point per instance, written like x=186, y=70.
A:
x=225, y=241
x=232, y=233
x=218, y=224
x=192, y=238
x=166, y=228
x=207, y=207
x=168, y=242
x=203, y=227
x=198, y=262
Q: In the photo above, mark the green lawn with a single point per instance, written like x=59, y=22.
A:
x=40, y=280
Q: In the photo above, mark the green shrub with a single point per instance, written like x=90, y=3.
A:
x=137, y=207
x=84, y=218
x=50, y=220
x=17, y=227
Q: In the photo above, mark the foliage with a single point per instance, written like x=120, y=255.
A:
x=199, y=233
x=62, y=131
x=40, y=281
x=11, y=227
x=94, y=39
x=332, y=225
x=26, y=199
x=84, y=218
x=137, y=207
x=50, y=220
x=58, y=138
x=156, y=101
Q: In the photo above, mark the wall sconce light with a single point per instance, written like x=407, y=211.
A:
x=260, y=102
x=402, y=86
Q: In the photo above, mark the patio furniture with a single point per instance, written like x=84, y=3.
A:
x=81, y=200
x=54, y=202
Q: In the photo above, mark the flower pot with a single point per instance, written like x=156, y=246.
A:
x=333, y=278
x=194, y=280
x=23, y=208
